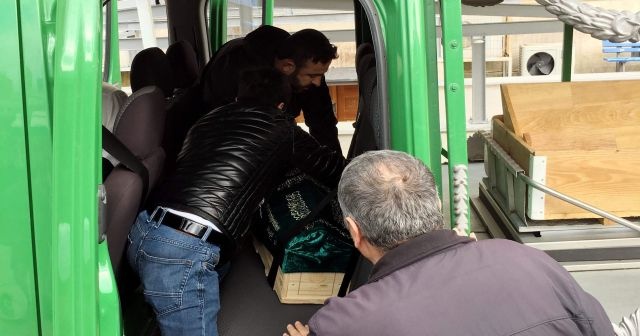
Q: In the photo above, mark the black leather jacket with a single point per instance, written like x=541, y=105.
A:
x=232, y=158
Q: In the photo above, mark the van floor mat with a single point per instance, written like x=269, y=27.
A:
x=249, y=306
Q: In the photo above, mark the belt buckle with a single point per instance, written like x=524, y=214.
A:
x=193, y=228
x=186, y=225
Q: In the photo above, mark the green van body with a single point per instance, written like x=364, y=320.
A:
x=55, y=273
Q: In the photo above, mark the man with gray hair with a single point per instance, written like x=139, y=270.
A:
x=428, y=280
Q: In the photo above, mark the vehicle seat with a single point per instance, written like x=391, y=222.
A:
x=124, y=195
x=184, y=63
x=139, y=126
x=364, y=58
x=151, y=67
x=112, y=100
x=183, y=112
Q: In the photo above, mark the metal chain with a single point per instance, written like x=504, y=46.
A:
x=601, y=23
x=460, y=197
x=629, y=326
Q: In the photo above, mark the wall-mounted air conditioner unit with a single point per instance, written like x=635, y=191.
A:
x=540, y=59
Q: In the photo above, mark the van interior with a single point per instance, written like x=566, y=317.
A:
x=141, y=140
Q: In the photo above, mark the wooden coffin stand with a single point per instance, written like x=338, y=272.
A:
x=581, y=139
x=300, y=288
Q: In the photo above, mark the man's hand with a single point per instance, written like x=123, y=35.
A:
x=297, y=329
x=461, y=232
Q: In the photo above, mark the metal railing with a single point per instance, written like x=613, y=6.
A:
x=519, y=173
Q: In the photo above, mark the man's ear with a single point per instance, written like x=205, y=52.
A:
x=287, y=66
x=354, y=231
x=280, y=106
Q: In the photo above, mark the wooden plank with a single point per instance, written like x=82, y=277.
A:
x=347, y=102
x=574, y=139
x=305, y=288
x=543, y=107
x=587, y=138
x=300, y=288
x=609, y=180
x=512, y=144
x=607, y=222
x=589, y=116
x=317, y=284
x=265, y=255
x=627, y=137
x=333, y=92
x=509, y=117
x=604, y=91
x=522, y=102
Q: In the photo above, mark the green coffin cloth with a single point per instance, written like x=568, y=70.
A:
x=323, y=246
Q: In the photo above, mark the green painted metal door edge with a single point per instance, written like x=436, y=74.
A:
x=19, y=309
x=110, y=317
x=75, y=169
x=267, y=12
x=451, y=20
x=115, y=77
x=567, y=52
x=435, y=149
x=217, y=24
x=37, y=105
x=404, y=29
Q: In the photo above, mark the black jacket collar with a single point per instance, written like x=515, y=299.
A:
x=415, y=249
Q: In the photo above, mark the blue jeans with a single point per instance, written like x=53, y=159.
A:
x=179, y=277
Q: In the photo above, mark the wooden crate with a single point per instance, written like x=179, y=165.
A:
x=345, y=101
x=584, y=138
x=346, y=98
x=299, y=288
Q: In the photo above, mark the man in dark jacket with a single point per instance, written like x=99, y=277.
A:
x=228, y=163
x=427, y=280
x=304, y=57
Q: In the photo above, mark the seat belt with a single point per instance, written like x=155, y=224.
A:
x=113, y=146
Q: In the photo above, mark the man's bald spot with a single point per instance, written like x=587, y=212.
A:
x=391, y=174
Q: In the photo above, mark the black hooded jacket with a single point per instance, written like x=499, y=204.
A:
x=231, y=159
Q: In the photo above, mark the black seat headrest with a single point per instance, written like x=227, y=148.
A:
x=184, y=63
x=151, y=67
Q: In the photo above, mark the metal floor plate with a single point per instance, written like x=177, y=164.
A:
x=249, y=306
x=567, y=243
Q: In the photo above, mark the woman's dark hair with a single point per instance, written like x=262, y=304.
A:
x=264, y=86
x=305, y=45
